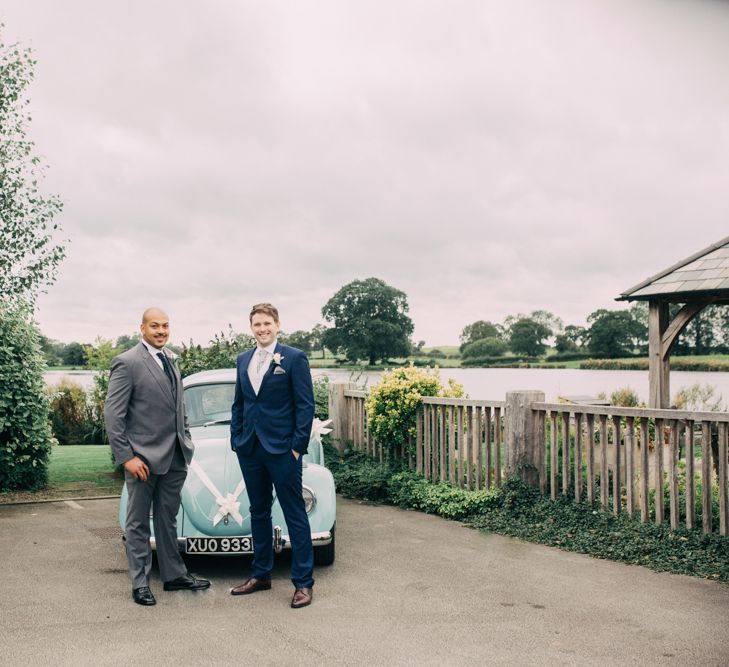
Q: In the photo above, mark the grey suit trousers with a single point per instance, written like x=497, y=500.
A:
x=161, y=493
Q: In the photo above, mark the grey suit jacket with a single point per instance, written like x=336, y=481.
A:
x=141, y=413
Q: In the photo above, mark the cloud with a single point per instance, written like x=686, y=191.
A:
x=487, y=159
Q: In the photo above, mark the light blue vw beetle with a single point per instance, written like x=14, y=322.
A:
x=214, y=517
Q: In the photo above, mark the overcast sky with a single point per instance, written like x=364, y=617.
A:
x=487, y=158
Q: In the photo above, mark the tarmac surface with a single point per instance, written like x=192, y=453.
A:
x=406, y=589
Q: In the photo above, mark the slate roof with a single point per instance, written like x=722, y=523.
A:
x=703, y=275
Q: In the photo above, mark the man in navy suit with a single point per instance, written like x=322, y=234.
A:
x=270, y=428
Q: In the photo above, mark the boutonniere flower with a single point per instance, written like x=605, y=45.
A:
x=277, y=358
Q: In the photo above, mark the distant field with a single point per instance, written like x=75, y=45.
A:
x=445, y=349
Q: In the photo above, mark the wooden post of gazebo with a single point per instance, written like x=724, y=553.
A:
x=659, y=365
x=697, y=281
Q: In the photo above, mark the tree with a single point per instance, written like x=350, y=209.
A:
x=416, y=349
x=316, y=338
x=29, y=252
x=478, y=331
x=222, y=352
x=639, y=311
x=298, y=339
x=528, y=337
x=570, y=340
x=614, y=333
x=543, y=317
x=562, y=344
x=722, y=323
x=706, y=333
x=486, y=347
x=99, y=358
x=125, y=342
x=74, y=354
x=52, y=350
x=575, y=334
x=370, y=321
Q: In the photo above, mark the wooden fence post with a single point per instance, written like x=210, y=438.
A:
x=338, y=412
x=523, y=454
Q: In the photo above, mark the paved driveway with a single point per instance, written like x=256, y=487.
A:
x=406, y=589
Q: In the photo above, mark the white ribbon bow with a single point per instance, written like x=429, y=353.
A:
x=320, y=428
x=229, y=504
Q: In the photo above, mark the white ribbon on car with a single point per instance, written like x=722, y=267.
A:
x=320, y=428
x=229, y=504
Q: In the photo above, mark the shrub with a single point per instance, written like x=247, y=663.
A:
x=99, y=358
x=641, y=364
x=222, y=352
x=25, y=433
x=521, y=511
x=634, y=364
x=568, y=356
x=69, y=412
x=512, y=361
x=709, y=365
x=393, y=402
x=485, y=347
x=700, y=398
x=425, y=363
x=321, y=397
x=625, y=397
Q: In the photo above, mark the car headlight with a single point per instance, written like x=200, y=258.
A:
x=309, y=499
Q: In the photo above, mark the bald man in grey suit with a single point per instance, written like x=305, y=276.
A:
x=148, y=434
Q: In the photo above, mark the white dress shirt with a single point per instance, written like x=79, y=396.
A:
x=153, y=351
x=254, y=374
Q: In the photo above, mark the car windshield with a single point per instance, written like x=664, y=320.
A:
x=207, y=404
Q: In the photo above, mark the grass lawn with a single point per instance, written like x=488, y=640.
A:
x=75, y=471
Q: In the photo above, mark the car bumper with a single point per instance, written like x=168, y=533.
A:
x=280, y=542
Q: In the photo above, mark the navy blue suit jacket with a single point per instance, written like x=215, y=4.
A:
x=282, y=412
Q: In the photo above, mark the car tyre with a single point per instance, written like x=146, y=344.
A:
x=325, y=555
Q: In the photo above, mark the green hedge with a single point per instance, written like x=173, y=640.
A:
x=521, y=511
x=485, y=363
x=499, y=361
x=568, y=356
x=25, y=433
x=677, y=364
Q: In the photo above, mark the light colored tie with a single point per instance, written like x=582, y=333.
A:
x=262, y=358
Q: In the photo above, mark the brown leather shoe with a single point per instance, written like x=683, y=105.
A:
x=251, y=585
x=302, y=597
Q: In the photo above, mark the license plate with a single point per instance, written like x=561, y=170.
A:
x=218, y=545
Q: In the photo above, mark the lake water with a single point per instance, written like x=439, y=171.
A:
x=493, y=383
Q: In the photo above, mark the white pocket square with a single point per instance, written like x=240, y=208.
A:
x=278, y=371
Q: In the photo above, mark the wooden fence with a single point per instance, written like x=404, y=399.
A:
x=625, y=459
x=460, y=441
x=457, y=440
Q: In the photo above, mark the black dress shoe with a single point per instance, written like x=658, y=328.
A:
x=143, y=596
x=186, y=583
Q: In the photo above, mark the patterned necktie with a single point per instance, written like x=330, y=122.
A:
x=166, y=367
x=262, y=358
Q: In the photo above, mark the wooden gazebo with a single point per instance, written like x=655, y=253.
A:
x=696, y=282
